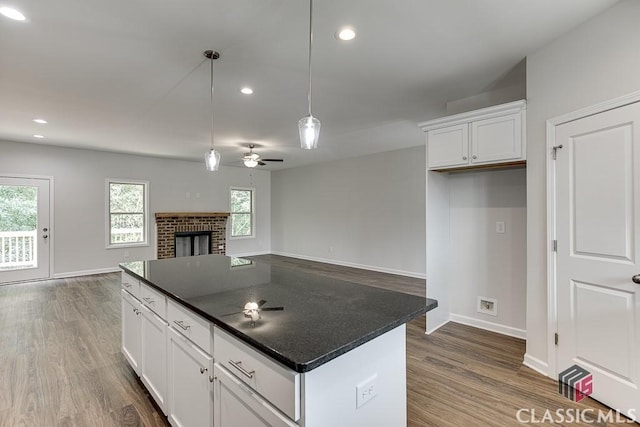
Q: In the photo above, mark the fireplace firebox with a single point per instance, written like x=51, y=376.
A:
x=192, y=243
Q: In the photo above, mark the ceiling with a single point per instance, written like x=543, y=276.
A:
x=130, y=76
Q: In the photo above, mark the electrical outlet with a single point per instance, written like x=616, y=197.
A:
x=500, y=227
x=126, y=254
x=366, y=390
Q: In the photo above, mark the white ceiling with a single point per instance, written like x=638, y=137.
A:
x=129, y=76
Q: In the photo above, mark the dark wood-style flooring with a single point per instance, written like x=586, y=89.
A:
x=60, y=361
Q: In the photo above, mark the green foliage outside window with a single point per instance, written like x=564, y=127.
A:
x=241, y=213
x=18, y=208
x=126, y=213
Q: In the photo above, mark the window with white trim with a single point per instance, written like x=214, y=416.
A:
x=242, y=210
x=127, y=211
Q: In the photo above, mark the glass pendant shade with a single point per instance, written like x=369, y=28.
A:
x=309, y=128
x=212, y=160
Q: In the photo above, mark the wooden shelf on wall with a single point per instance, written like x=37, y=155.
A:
x=518, y=164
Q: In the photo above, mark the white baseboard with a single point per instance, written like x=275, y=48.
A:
x=434, y=324
x=536, y=364
x=489, y=326
x=85, y=272
x=354, y=265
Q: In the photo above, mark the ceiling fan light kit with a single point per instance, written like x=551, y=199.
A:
x=212, y=157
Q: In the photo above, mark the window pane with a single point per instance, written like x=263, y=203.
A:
x=18, y=208
x=127, y=228
x=240, y=201
x=126, y=197
x=240, y=225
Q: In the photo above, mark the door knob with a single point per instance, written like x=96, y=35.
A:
x=636, y=279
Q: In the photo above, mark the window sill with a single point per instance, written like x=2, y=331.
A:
x=241, y=237
x=127, y=245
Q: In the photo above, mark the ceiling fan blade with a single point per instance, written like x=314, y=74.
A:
x=262, y=302
x=272, y=309
x=272, y=160
x=261, y=163
x=231, y=314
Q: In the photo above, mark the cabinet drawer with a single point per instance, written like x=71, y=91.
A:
x=130, y=285
x=274, y=382
x=190, y=325
x=154, y=300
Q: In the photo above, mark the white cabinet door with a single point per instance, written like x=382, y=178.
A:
x=237, y=405
x=496, y=139
x=131, y=323
x=154, y=356
x=448, y=146
x=190, y=383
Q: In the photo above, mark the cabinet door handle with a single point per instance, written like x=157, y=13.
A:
x=149, y=300
x=182, y=325
x=127, y=285
x=636, y=279
x=475, y=157
x=464, y=157
x=241, y=369
x=212, y=378
x=203, y=370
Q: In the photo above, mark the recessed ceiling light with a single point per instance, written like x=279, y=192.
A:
x=38, y=136
x=12, y=13
x=41, y=121
x=346, y=34
x=246, y=90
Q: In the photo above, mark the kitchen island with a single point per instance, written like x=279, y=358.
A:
x=226, y=341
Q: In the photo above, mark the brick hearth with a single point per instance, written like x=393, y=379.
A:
x=168, y=223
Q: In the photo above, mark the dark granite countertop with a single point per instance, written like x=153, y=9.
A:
x=321, y=318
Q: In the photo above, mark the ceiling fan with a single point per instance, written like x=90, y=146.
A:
x=251, y=159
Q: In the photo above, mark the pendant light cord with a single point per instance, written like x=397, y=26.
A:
x=310, y=40
x=212, y=109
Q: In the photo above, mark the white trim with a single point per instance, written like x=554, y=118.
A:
x=481, y=114
x=535, y=364
x=431, y=330
x=489, y=326
x=551, y=124
x=86, y=272
x=354, y=265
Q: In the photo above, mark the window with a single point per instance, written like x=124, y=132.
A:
x=127, y=207
x=242, y=212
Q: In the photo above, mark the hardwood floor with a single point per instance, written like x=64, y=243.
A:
x=60, y=361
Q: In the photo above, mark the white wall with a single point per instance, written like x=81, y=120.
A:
x=365, y=212
x=78, y=230
x=597, y=61
x=485, y=263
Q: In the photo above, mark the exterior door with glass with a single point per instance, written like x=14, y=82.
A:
x=25, y=230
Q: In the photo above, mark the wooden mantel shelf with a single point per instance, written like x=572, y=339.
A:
x=184, y=214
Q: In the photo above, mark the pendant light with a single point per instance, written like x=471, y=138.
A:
x=212, y=157
x=309, y=126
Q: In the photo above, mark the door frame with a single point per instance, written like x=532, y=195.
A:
x=552, y=305
x=52, y=228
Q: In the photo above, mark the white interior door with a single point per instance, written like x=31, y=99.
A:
x=24, y=229
x=598, y=232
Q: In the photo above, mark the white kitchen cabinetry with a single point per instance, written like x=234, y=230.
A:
x=190, y=368
x=237, y=405
x=190, y=382
x=154, y=344
x=481, y=138
x=131, y=337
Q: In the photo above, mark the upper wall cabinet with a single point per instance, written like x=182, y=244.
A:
x=475, y=139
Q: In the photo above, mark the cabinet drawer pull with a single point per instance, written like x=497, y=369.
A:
x=127, y=285
x=464, y=157
x=148, y=300
x=475, y=157
x=203, y=370
x=241, y=369
x=182, y=325
x=212, y=378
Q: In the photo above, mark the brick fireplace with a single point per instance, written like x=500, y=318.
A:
x=170, y=223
